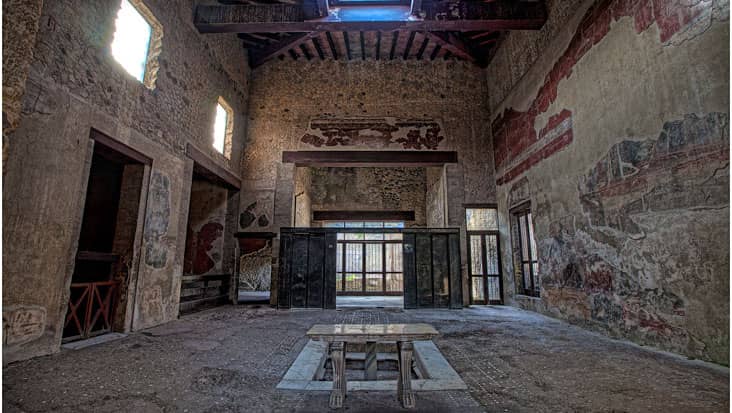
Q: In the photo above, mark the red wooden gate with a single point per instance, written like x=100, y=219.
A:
x=91, y=309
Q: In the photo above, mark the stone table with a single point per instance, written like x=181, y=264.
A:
x=337, y=335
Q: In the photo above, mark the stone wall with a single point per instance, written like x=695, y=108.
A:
x=75, y=85
x=370, y=189
x=618, y=136
x=435, y=201
x=302, y=203
x=20, y=27
x=375, y=105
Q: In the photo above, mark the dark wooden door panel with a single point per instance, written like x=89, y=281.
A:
x=329, y=272
x=423, y=259
x=440, y=271
x=456, y=276
x=316, y=264
x=298, y=288
x=410, y=271
x=283, y=278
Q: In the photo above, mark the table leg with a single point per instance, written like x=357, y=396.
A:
x=338, y=358
x=404, y=384
x=371, y=364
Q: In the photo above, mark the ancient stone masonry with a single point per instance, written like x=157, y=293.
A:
x=377, y=133
x=397, y=189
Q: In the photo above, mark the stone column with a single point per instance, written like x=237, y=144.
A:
x=404, y=384
x=338, y=358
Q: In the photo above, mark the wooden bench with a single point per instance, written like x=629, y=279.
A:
x=337, y=335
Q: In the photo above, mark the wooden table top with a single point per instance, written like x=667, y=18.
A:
x=372, y=332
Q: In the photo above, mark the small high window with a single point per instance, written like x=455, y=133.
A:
x=137, y=40
x=223, y=128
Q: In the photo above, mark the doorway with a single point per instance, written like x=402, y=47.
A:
x=99, y=289
x=484, y=263
x=369, y=265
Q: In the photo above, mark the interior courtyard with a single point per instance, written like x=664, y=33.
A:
x=351, y=205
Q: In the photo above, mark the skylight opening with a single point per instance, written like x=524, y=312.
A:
x=131, y=42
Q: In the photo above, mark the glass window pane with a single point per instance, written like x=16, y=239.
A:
x=524, y=241
x=374, y=282
x=354, y=224
x=393, y=224
x=394, y=257
x=531, y=237
x=393, y=282
x=476, y=288
x=527, y=276
x=537, y=283
x=334, y=225
x=475, y=259
x=354, y=282
x=355, y=236
x=373, y=225
x=393, y=236
x=481, y=219
x=494, y=289
x=373, y=258
x=374, y=236
x=491, y=254
x=354, y=257
x=340, y=235
x=339, y=281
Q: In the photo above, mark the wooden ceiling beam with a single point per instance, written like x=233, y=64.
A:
x=394, y=39
x=422, y=48
x=318, y=48
x=452, y=44
x=258, y=57
x=333, y=50
x=469, y=16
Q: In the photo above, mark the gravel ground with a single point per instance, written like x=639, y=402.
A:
x=230, y=359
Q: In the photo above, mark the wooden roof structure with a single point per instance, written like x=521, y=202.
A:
x=468, y=30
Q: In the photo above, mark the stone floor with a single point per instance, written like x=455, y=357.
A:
x=230, y=359
x=370, y=301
